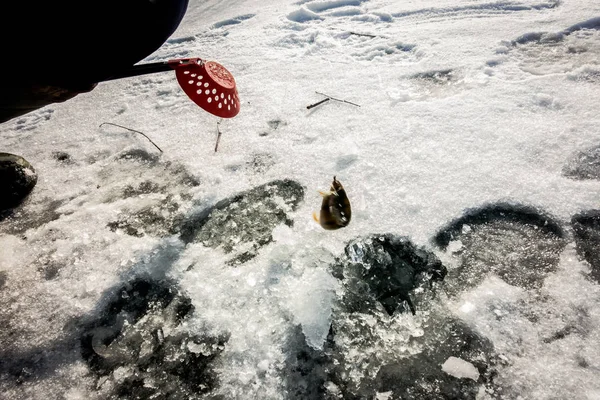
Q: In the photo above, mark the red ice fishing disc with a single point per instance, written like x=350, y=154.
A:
x=210, y=85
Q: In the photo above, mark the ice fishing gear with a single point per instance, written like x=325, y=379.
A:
x=207, y=83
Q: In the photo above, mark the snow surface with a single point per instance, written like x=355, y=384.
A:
x=462, y=103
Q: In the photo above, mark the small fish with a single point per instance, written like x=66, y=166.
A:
x=335, y=209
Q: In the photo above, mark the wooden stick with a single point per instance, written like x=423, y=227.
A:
x=319, y=103
x=218, y=135
x=362, y=34
x=333, y=98
x=132, y=130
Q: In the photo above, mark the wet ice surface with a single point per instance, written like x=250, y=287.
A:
x=470, y=269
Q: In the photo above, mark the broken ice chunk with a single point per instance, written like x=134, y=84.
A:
x=460, y=368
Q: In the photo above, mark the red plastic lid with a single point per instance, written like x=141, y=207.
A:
x=210, y=85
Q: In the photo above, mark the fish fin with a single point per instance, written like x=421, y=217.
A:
x=316, y=218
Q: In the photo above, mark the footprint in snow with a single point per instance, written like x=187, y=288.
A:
x=481, y=10
x=319, y=10
x=232, y=21
x=32, y=120
x=573, y=51
x=438, y=83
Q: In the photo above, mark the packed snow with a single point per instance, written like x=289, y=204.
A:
x=466, y=135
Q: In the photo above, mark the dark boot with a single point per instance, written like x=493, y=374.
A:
x=17, y=179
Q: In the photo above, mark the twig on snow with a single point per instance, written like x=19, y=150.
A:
x=317, y=104
x=132, y=130
x=362, y=34
x=328, y=97
x=333, y=98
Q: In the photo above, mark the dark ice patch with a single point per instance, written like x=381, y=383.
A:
x=32, y=217
x=144, y=187
x=385, y=269
x=51, y=271
x=520, y=244
x=162, y=219
x=164, y=215
x=368, y=352
x=305, y=370
x=169, y=176
x=3, y=278
x=138, y=350
x=139, y=155
x=413, y=371
x=586, y=229
x=560, y=334
x=246, y=218
x=420, y=376
x=181, y=174
x=495, y=212
x=584, y=165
